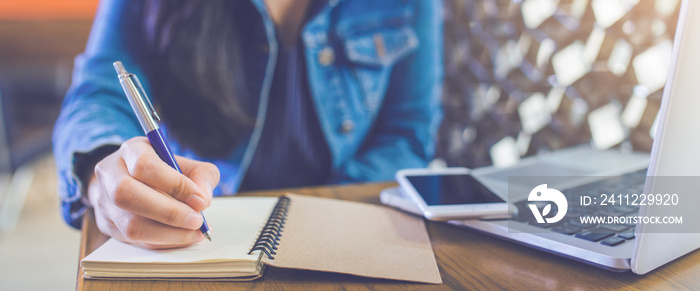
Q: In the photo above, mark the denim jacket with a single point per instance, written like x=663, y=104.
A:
x=375, y=76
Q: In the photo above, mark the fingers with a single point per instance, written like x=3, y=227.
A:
x=139, y=199
x=206, y=175
x=142, y=230
x=133, y=196
x=147, y=233
x=144, y=165
x=129, y=227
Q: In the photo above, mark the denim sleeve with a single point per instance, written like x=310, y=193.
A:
x=406, y=128
x=95, y=112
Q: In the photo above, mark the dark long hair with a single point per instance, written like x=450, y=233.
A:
x=194, y=66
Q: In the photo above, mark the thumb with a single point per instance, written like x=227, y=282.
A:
x=205, y=175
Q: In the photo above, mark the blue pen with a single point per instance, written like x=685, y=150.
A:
x=148, y=118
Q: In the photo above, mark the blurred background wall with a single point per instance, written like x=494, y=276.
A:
x=529, y=76
x=38, y=41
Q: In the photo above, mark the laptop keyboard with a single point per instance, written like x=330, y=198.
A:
x=606, y=234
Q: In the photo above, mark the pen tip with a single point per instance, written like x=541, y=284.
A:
x=208, y=235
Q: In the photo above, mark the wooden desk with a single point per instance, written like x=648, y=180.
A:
x=467, y=260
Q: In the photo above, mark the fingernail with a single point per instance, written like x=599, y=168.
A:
x=194, y=220
x=195, y=201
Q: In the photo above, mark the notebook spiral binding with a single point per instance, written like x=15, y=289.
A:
x=269, y=237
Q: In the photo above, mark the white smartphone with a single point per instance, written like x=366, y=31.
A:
x=395, y=197
x=452, y=193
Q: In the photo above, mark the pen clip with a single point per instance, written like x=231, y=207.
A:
x=147, y=100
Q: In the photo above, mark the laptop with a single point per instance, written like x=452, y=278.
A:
x=675, y=153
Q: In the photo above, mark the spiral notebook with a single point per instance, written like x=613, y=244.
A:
x=291, y=231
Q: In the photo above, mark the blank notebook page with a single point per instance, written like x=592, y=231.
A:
x=234, y=223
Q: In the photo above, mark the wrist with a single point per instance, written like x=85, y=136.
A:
x=85, y=197
x=85, y=169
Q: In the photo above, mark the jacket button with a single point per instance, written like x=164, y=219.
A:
x=347, y=126
x=326, y=56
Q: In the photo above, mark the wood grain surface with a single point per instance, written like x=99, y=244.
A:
x=467, y=260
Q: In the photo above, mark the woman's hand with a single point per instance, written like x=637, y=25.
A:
x=140, y=199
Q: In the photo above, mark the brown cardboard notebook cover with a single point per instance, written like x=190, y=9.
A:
x=355, y=238
x=319, y=234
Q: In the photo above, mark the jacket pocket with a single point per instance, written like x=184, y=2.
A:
x=373, y=48
x=382, y=48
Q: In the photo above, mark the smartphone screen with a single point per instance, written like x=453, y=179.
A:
x=452, y=189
